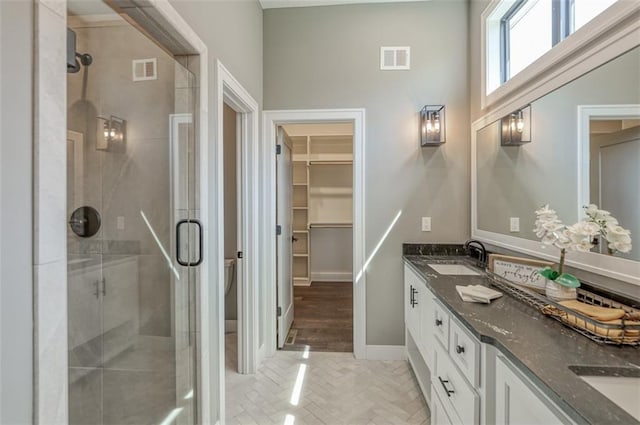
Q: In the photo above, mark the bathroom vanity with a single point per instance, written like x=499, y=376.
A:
x=503, y=362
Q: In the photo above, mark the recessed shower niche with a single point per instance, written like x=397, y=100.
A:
x=131, y=177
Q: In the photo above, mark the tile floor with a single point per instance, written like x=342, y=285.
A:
x=297, y=387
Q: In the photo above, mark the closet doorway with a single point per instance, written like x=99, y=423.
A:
x=315, y=182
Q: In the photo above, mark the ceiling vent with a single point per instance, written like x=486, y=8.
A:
x=145, y=69
x=395, y=58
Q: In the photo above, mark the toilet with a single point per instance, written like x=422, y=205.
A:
x=229, y=274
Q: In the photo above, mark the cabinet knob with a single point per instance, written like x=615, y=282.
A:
x=438, y=322
x=459, y=349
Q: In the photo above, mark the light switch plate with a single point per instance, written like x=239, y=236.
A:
x=426, y=224
x=120, y=223
x=514, y=224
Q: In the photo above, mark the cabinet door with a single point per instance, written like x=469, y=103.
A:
x=438, y=414
x=413, y=289
x=516, y=403
x=427, y=300
x=85, y=315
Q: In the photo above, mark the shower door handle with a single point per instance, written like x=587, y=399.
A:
x=178, y=242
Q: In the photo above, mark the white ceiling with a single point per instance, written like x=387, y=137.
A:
x=273, y=4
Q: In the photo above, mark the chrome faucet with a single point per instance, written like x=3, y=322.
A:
x=480, y=249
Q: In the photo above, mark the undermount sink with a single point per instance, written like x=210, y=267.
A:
x=453, y=269
x=620, y=385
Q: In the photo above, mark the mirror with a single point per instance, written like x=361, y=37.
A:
x=610, y=137
x=577, y=132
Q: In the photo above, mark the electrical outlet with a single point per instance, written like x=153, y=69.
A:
x=426, y=224
x=120, y=223
x=514, y=224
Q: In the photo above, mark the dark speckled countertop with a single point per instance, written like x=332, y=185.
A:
x=541, y=347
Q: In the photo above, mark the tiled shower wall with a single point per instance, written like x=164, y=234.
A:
x=50, y=192
x=130, y=177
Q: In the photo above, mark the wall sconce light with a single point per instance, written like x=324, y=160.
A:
x=111, y=130
x=432, y=125
x=516, y=127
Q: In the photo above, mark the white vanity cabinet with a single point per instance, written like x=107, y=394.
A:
x=464, y=381
x=517, y=401
x=438, y=414
x=418, y=334
x=454, y=377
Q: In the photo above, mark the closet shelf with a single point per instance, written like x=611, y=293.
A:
x=300, y=255
x=331, y=191
x=320, y=158
x=300, y=231
x=329, y=162
x=331, y=225
x=300, y=208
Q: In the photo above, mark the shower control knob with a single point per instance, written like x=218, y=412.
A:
x=85, y=221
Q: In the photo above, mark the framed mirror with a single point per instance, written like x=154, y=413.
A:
x=577, y=132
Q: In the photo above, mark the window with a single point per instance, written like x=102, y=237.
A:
x=530, y=28
x=521, y=46
x=586, y=10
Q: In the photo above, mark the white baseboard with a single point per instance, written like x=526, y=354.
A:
x=332, y=276
x=386, y=352
x=230, y=326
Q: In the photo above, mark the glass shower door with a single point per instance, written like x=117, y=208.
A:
x=150, y=305
x=133, y=285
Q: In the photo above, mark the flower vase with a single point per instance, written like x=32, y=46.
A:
x=557, y=292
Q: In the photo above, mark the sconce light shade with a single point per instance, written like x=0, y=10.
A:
x=515, y=129
x=111, y=130
x=432, y=125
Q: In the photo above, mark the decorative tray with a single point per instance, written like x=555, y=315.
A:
x=625, y=331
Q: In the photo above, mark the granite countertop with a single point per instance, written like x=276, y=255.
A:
x=542, y=348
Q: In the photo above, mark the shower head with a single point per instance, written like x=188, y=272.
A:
x=73, y=65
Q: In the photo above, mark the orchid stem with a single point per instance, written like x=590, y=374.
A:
x=561, y=266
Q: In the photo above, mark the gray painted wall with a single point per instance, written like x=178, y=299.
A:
x=16, y=262
x=475, y=47
x=232, y=31
x=328, y=57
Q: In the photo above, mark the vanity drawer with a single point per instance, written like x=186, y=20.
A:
x=464, y=350
x=441, y=323
x=460, y=400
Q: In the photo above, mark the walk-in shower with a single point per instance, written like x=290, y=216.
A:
x=131, y=180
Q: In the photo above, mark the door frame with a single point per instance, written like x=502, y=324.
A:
x=271, y=120
x=231, y=92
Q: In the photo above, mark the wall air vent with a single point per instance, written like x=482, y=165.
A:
x=145, y=69
x=395, y=58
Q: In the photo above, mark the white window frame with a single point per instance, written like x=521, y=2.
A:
x=605, y=37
